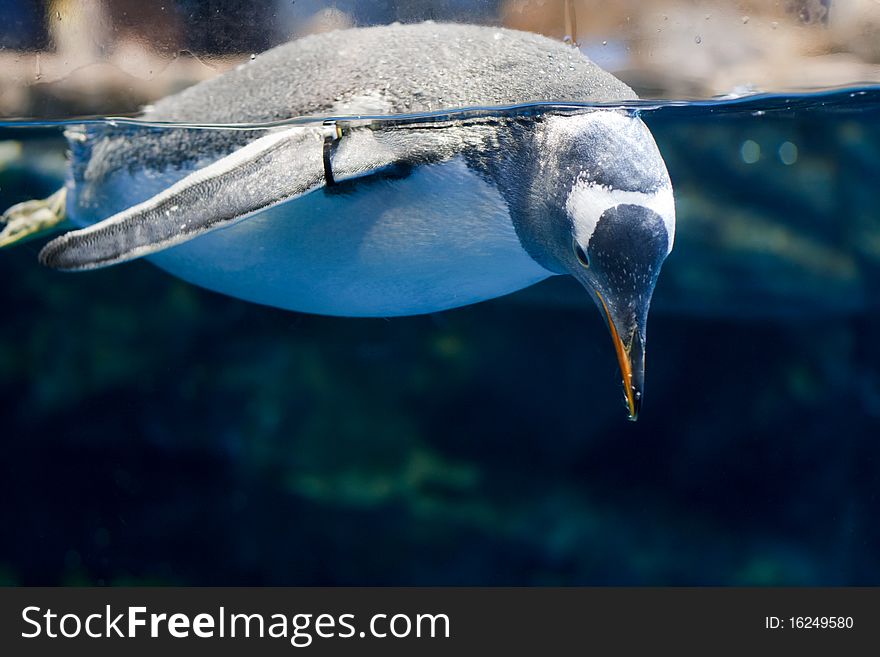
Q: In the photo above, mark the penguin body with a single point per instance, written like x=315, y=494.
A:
x=426, y=242
x=391, y=217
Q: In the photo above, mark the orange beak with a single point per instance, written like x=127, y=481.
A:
x=630, y=357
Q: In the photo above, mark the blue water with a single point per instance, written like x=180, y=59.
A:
x=156, y=432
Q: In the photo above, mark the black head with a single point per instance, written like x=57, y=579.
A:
x=619, y=265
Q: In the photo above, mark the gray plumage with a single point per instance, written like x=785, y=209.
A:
x=415, y=68
x=388, y=69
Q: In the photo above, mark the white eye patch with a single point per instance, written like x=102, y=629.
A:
x=587, y=201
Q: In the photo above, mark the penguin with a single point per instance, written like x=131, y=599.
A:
x=454, y=173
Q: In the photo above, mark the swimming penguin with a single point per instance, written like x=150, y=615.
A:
x=382, y=218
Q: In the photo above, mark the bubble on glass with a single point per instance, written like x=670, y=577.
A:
x=698, y=39
x=750, y=151
x=788, y=153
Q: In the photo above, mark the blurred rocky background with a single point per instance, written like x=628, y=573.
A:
x=153, y=432
x=84, y=57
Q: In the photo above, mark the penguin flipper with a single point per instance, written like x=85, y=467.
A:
x=265, y=172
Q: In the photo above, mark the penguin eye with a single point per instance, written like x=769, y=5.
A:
x=581, y=255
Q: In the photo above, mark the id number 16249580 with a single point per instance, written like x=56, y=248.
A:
x=809, y=622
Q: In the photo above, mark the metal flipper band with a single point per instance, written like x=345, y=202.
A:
x=333, y=135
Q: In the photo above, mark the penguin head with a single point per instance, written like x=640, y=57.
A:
x=609, y=221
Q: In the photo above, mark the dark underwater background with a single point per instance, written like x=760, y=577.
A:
x=154, y=432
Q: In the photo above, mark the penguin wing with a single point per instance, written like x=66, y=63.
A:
x=276, y=168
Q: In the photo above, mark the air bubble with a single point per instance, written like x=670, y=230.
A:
x=750, y=151
x=788, y=153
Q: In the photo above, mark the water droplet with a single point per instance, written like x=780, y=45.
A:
x=788, y=153
x=698, y=39
x=745, y=19
x=58, y=15
x=750, y=151
x=774, y=24
x=253, y=56
x=604, y=43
